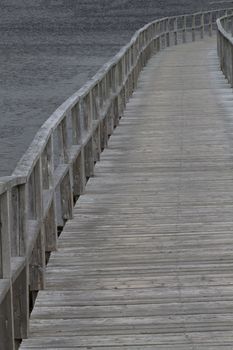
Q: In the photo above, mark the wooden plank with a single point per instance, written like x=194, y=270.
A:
x=202, y=339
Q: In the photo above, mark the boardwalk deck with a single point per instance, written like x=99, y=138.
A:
x=147, y=261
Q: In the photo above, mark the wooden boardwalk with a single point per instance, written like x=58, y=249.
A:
x=147, y=262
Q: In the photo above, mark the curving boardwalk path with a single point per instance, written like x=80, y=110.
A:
x=147, y=262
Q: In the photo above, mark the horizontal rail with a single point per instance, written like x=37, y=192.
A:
x=37, y=200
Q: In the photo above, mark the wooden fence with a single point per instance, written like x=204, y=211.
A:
x=38, y=198
x=225, y=45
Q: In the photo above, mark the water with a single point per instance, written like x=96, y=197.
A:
x=48, y=50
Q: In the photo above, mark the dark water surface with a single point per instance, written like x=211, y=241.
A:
x=49, y=48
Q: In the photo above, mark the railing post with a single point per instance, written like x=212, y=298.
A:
x=96, y=118
x=19, y=249
x=78, y=171
x=167, y=31
x=103, y=123
x=5, y=261
x=50, y=219
x=210, y=24
x=228, y=25
x=110, y=118
x=224, y=56
x=88, y=125
x=221, y=52
x=6, y=314
x=76, y=125
x=218, y=44
x=202, y=26
x=231, y=65
x=175, y=31
x=62, y=140
x=161, y=34
x=231, y=25
x=37, y=259
x=193, y=27
x=19, y=232
x=184, y=28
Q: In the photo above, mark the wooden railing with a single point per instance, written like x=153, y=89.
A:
x=225, y=45
x=38, y=198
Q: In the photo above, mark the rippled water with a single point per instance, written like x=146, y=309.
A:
x=49, y=48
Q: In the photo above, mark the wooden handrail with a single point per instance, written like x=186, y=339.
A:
x=38, y=198
x=225, y=45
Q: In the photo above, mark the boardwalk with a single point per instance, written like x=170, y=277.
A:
x=147, y=261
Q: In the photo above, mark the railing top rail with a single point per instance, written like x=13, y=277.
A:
x=199, y=13
x=222, y=30
x=28, y=160
x=7, y=182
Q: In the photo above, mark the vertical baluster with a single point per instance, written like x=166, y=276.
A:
x=101, y=95
x=66, y=196
x=5, y=261
x=87, y=116
x=193, y=27
x=113, y=78
x=202, y=26
x=103, y=124
x=63, y=141
x=85, y=107
x=229, y=60
x=115, y=101
x=167, y=30
x=221, y=51
x=158, y=37
x=154, y=39
x=48, y=165
x=231, y=26
x=110, y=115
x=7, y=328
x=224, y=57
x=184, y=31
x=218, y=44
x=50, y=220
x=37, y=260
x=19, y=249
x=228, y=25
x=20, y=219
x=225, y=23
x=175, y=31
x=210, y=24
x=120, y=80
x=76, y=125
x=96, y=117
x=79, y=178
x=231, y=64
x=162, y=34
